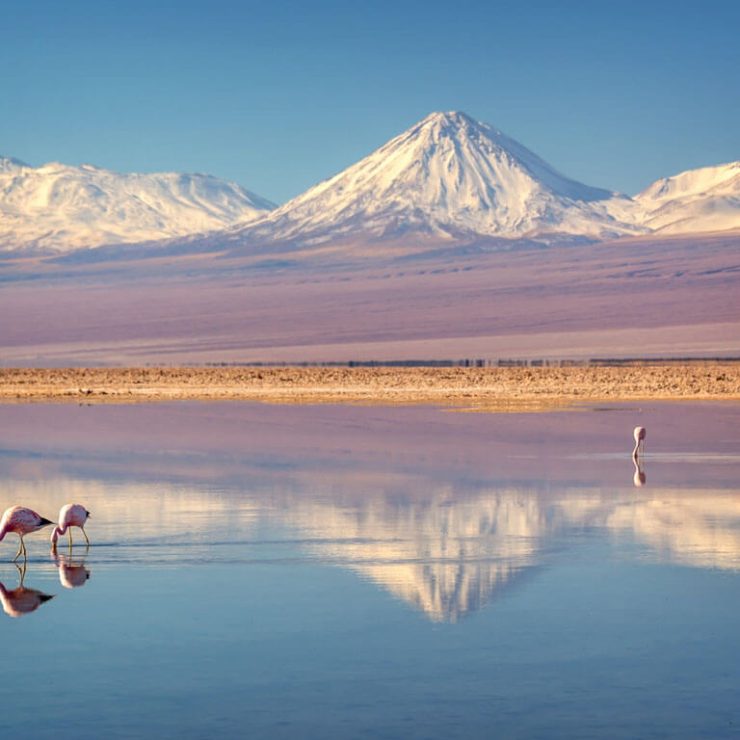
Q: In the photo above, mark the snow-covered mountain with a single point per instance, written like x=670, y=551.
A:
x=707, y=199
x=448, y=176
x=61, y=208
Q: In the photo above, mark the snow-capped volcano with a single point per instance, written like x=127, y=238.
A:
x=59, y=207
x=446, y=176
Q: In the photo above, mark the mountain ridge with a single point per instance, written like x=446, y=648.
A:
x=57, y=207
x=448, y=179
x=705, y=199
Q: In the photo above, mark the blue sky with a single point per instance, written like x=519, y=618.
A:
x=278, y=95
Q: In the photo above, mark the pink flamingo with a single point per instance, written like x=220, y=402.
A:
x=639, y=435
x=22, y=521
x=70, y=515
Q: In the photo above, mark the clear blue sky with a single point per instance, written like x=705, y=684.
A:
x=278, y=95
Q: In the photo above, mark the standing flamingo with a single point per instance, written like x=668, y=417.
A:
x=70, y=515
x=22, y=521
x=639, y=434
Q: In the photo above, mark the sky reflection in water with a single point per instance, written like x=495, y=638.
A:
x=342, y=572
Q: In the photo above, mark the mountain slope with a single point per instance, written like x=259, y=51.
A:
x=447, y=176
x=705, y=199
x=61, y=208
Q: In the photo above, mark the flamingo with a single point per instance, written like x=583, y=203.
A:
x=639, y=434
x=21, y=601
x=22, y=521
x=70, y=515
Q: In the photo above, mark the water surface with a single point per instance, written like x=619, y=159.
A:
x=327, y=572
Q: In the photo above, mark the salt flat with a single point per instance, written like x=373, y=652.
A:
x=487, y=389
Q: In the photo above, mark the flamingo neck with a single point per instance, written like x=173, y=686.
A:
x=3, y=532
x=57, y=533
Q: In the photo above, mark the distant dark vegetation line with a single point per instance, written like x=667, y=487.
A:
x=593, y=362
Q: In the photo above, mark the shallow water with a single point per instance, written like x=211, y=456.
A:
x=338, y=572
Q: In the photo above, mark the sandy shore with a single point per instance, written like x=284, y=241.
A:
x=472, y=388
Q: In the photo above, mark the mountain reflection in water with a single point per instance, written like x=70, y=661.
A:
x=443, y=511
x=449, y=557
x=446, y=553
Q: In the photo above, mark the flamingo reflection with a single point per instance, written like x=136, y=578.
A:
x=21, y=600
x=639, y=479
x=72, y=572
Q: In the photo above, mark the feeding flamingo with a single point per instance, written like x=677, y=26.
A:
x=639, y=435
x=22, y=521
x=70, y=515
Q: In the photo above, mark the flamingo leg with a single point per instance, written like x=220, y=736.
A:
x=86, y=537
x=21, y=550
x=69, y=533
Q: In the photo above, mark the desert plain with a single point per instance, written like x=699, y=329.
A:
x=632, y=298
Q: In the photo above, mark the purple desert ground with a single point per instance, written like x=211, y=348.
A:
x=634, y=297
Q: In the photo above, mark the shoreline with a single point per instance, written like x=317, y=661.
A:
x=470, y=388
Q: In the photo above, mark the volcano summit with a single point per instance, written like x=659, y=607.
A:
x=451, y=177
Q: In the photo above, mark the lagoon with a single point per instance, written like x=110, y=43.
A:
x=361, y=571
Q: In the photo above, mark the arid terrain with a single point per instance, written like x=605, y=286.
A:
x=632, y=298
x=472, y=388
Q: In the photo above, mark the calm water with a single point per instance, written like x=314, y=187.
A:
x=342, y=572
